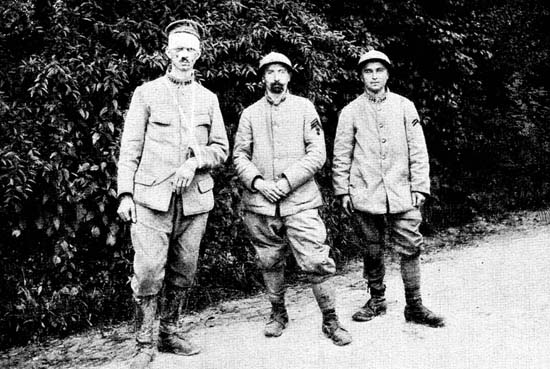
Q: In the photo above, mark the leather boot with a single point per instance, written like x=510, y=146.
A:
x=146, y=308
x=278, y=320
x=333, y=329
x=415, y=311
x=375, y=306
x=169, y=339
x=374, y=272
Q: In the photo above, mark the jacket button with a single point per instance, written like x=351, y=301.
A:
x=383, y=140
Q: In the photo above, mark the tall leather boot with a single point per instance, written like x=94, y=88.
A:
x=146, y=308
x=374, y=271
x=331, y=327
x=275, y=286
x=415, y=311
x=169, y=339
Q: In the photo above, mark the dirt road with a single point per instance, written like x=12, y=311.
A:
x=494, y=292
x=495, y=295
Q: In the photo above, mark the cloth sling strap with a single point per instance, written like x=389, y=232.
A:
x=407, y=139
x=188, y=124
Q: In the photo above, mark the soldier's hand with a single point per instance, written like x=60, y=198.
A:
x=347, y=205
x=184, y=175
x=127, y=209
x=418, y=199
x=269, y=190
x=284, y=186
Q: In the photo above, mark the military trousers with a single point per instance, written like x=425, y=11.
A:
x=304, y=234
x=373, y=230
x=166, y=246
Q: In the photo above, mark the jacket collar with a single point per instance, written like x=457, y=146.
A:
x=377, y=99
x=272, y=102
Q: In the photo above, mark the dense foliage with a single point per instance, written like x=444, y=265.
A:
x=68, y=68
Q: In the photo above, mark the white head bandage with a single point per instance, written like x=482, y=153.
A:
x=183, y=40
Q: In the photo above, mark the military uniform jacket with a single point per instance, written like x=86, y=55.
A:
x=380, y=154
x=157, y=140
x=273, y=141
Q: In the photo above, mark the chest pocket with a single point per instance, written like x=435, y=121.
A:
x=202, y=128
x=160, y=127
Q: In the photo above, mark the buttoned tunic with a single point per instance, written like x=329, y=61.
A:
x=380, y=155
x=166, y=124
x=157, y=140
x=275, y=141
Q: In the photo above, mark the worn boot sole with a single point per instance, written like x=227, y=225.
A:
x=178, y=346
x=169, y=350
x=364, y=315
x=370, y=310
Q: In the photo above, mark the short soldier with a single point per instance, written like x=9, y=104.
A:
x=173, y=134
x=381, y=175
x=279, y=147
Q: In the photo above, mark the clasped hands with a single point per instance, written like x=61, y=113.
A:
x=271, y=190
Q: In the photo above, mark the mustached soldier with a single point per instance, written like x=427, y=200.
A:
x=173, y=134
x=279, y=147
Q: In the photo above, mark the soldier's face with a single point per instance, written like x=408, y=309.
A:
x=183, y=56
x=375, y=76
x=276, y=78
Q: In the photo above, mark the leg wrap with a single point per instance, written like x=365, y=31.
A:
x=170, y=308
x=410, y=272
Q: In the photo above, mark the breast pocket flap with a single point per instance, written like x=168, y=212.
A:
x=205, y=185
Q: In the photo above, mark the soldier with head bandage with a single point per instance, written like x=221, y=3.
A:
x=173, y=135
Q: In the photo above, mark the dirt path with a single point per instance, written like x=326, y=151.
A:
x=495, y=295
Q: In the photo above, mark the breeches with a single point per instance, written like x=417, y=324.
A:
x=403, y=229
x=306, y=236
x=166, y=246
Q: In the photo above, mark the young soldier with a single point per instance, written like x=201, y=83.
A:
x=173, y=134
x=279, y=147
x=381, y=174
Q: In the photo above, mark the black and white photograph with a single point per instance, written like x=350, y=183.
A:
x=276, y=184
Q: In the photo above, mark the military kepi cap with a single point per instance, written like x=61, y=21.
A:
x=374, y=55
x=275, y=57
x=186, y=26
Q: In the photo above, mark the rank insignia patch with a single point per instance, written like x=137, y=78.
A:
x=316, y=125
